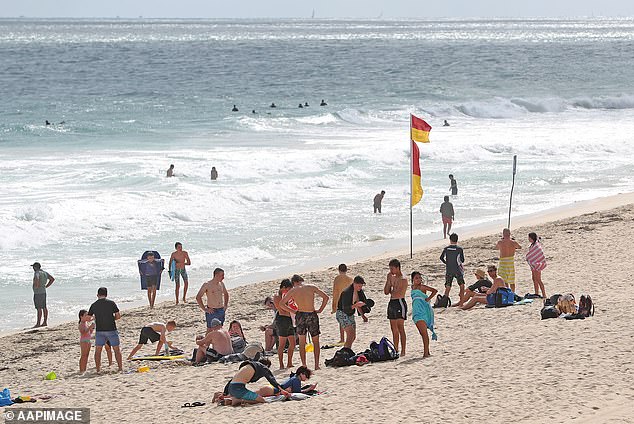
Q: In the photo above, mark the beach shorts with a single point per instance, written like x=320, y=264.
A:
x=151, y=280
x=506, y=270
x=39, y=299
x=479, y=284
x=307, y=322
x=454, y=191
x=110, y=337
x=240, y=391
x=344, y=319
x=446, y=220
x=284, y=326
x=397, y=309
x=148, y=333
x=449, y=279
x=178, y=273
x=218, y=313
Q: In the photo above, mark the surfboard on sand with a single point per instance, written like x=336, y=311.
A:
x=173, y=269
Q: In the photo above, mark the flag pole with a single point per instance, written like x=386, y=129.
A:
x=411, y=191
x=512, y=187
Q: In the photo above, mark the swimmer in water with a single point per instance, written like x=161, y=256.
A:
x=323, y=103
x=300, y=106
x=235, y=109
x=272, y=105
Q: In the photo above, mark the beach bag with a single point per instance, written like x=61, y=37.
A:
x=5, y=398
x=552, y=300
x=549, y=312
x=442, y=301
x=501, y=298
x=343, y=357
x=586, y=307
x=382, y=351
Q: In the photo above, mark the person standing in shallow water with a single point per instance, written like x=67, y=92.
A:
x=170, y=171
x=447, y=213
x=214, y=173
x=453, y=185
x=182, y=259
x=41, y=281
x=377, y=201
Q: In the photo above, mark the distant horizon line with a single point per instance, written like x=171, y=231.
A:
x=380, y=18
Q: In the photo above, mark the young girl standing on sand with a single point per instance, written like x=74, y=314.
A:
x=422, y=313
x=85, y=334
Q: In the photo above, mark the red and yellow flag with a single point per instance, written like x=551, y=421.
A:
x=420, y=130
x=419, y=133
x=417, y=188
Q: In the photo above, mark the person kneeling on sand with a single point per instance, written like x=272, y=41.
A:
x=215, y=344
x=479, y=287
x=498, y=282
x=154, y=332
x=422, y=313
x=292, y=385
x=236, y=392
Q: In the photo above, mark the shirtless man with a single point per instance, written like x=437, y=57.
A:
x=306, y=317
x=507, y=247
x=154, y=332
x=341, y=282
x=482, y=298
x=217, y=298
x=395, y=287
x=215, y=344
x=182, y=258
x=170, y=171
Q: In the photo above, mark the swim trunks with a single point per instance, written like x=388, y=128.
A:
x=240, y=391
x=178, y=273
x=449, y=279
x=506, y=270
x=446, y=220
x=284, y=326
x=344, y=319
x=151, y=280
x=110, y=338
x=307, y=322
x=397, y=309
x=39, y=299
x=148, y=333
x=218, y=313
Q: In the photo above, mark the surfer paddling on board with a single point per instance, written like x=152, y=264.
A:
x=180, y=258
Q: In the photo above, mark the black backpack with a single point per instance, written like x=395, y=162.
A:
x=343, y=358
x=549, y=311
x=552, y=300
x=442, y=301
x=586, y=307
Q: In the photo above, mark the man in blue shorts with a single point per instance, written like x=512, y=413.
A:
x=217, y=298
x=106, y=313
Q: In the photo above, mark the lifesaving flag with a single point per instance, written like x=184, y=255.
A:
x=420, y=130
x=417, y=189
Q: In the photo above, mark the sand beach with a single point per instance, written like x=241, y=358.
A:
x=488, y=365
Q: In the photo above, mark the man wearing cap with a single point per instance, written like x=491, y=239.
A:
x=479, y=287
x=215, y=344
x=41, y=281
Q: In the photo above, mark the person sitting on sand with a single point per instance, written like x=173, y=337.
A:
x=306, y=317
x=238, y=340
x=293, y=384
x=269, y=330
x=396, y=288
x=236, y=392
x=479, y=287
x=284, y=326
x=154, y=332
x=422, y=313
x=507, y=247
x=351, y=302
x=498, y=282
x=217, y=298
x=215, y=344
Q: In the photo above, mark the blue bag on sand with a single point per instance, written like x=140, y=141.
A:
x=502, y=297
x=5, y=398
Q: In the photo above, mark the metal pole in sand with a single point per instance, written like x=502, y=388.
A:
x=512, y=187
x=411, y=191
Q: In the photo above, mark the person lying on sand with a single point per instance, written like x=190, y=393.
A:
x=293, y=384
x=236, y=392
x=154, y=332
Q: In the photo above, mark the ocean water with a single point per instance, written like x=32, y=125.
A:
x=87, y=197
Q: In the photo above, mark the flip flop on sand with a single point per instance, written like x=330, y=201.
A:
x=193, y=404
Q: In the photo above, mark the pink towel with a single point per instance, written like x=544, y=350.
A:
x=535, y=257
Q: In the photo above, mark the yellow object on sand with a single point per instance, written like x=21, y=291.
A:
x=51, y=376
x=143, y=369
x=309, y=347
